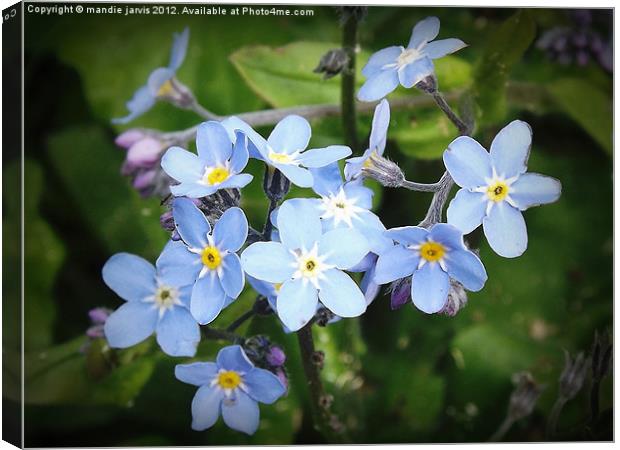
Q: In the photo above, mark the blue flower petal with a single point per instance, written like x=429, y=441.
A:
x=424, y=31
x=178, y=333
x=379, y=59
x=290, y=135
x=299, y=225
x=320, y=157
x=232, y=278
x=208, y=299
x=236, y=181
x=157, y=78
x=179, y=49
x=339, y=293
x=206, y=406
x=373, y=230
x=240, y=156
x=468, y=162
x=510, y=149
x=505, y=230
x=466, y=210
x=396, y=263
x=176, y=266
x=198, y=373
x=327, y=179
x=231, y=230
x=533, y=189
x=192, y=190
x=130, y=324
x=413, y=73
x=378, y=85
x=190, y=222
x=429, y=288
x=296, y=303
x=353, y=166
x=242, y=413
x=213, y=144
x=409, y=235
x=268, y=261
x=262, y=287
x=140, y=103
x=297, y=175
x=182, y=165
x=131, y=277
x=380, y=124
x=448, y=235
x=368, y=285
x=466, y=268
x=359, y=192
x=443, y=47
x=263, y=386
x=344, y=247
x=258, y=143
x=234, y=358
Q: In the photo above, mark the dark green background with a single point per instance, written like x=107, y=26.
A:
x=397, y=376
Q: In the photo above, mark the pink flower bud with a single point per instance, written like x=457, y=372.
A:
x=129, y=137
x=144, y=153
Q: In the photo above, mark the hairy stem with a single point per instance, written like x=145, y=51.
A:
x=347, y=97
x=324, y=420
x=224, y=335
x=435, y=209
x=440, y=100
x=421, y=187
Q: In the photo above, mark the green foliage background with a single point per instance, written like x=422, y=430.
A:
x=397, y=376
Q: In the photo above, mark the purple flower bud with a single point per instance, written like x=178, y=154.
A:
x=144, y=179
x=282, y=377
x=129, y=138
x=95, y=332
x=401, y=293
x=98, y=316
x=144, y=153
x=457, y=299
x=275, y=356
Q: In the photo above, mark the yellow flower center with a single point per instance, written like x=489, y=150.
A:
x=228, y=379
x=369, y=161
x=166, y=89
x=217, y=175
x=497, y=191
x=281, y=158
x=211, y=257
x=432, y=251
x=277, y=287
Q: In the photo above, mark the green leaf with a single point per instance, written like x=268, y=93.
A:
x=506, y=46
x=587, y=105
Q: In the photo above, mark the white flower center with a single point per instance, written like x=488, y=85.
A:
x=408, y=56
x=165, y=298
x=283, y=158
x=310, y=265
x=341, y=208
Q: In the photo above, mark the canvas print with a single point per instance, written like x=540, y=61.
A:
x=299, y=224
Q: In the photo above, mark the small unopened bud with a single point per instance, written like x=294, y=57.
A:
x=99, y=315
x=386, y=172
x=523, y=399
x=281, y=374
x=177, y=93
x=275, y=184
x=275, y=356
x=323, y=317
x=428, y=84
x=457, y=299
x=601, y=355
x=144, y=153
x=401, y=293
x=129, y=137
x=332, y=63
x=573, y=375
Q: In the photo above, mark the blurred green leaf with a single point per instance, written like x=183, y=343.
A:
x=587, y=105
x=505, y=47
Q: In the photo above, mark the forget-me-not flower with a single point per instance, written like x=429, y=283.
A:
x=232, y=386
x=208, y=259
x=431, y=257
x=309, y=264
x=376, y=143
x=157, y=300
x=217, y=165
x=160, y=82
x=408, y=66
x=496, y=187
x=285, y=149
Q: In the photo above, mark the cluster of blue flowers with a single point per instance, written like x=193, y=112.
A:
x=308, y=261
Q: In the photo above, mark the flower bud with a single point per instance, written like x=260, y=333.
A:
x=281, y=374
x=386, y=172
x=99, y=315
x=401, y=293
x=332, y=63
x=275, y=184
x=145, y=153
x=457, y=299
x=177, y=93
x=129, y=137
x=275, y=356
x=523, y=399
x=573, y=375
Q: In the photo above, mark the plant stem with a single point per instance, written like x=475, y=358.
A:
x=324, y=421
x=217, y=334
x=240, y=320
x=347, y=96
x=421, y=187
x=268, y=225
x=435, y=209
x=554, y=416
x=502, y=430
x=464, y=130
